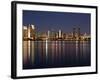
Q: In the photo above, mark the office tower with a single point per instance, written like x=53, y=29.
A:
x=78, y=33
x=31, y=32
x=25, y=32
x=74, y=33
x=48, y=34
x=52, y=35
x=60, y=34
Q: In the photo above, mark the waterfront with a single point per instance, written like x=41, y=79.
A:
x=51, y=54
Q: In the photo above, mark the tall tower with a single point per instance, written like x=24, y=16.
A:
x=74, y=33
x=48, y=34
x=31, y=32
x=78, y=33
x=60, y=34
x=25, y=32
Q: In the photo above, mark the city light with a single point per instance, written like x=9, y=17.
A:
x=30, y=33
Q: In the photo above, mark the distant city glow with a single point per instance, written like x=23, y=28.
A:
x=51, y=35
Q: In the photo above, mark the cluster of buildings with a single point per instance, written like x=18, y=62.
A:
x=30, y=33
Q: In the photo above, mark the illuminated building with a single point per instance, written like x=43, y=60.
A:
x=86, y=36
x=52, y=35
x=60, y=34
x=29, y=32
x=74, y=33
x=78, y=33
x=48, y=34
x=25, y=32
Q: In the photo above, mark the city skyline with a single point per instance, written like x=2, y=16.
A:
x=54, y=21
x=30, y=33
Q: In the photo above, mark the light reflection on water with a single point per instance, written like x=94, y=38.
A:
x=48, y=54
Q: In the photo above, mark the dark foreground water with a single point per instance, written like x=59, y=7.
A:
x=51, y=54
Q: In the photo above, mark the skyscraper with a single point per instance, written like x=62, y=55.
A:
x=60, y=34
x=31, y=32
x=74, y=33
x=25, y=32
x=48, y=34
x=78, y=33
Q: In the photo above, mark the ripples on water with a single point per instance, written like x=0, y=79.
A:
x=50, y=54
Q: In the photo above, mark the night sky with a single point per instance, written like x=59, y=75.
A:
x=54, y=21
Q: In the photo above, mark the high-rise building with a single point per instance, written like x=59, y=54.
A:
x=48, y=34
x=52, y=35
x=74, y=33
x=78, y=33
x=25, y=32
x=31, y=32
x=60, y=34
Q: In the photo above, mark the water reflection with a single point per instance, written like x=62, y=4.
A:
x=44, y=54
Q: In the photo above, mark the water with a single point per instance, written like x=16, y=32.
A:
x=51, y=54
